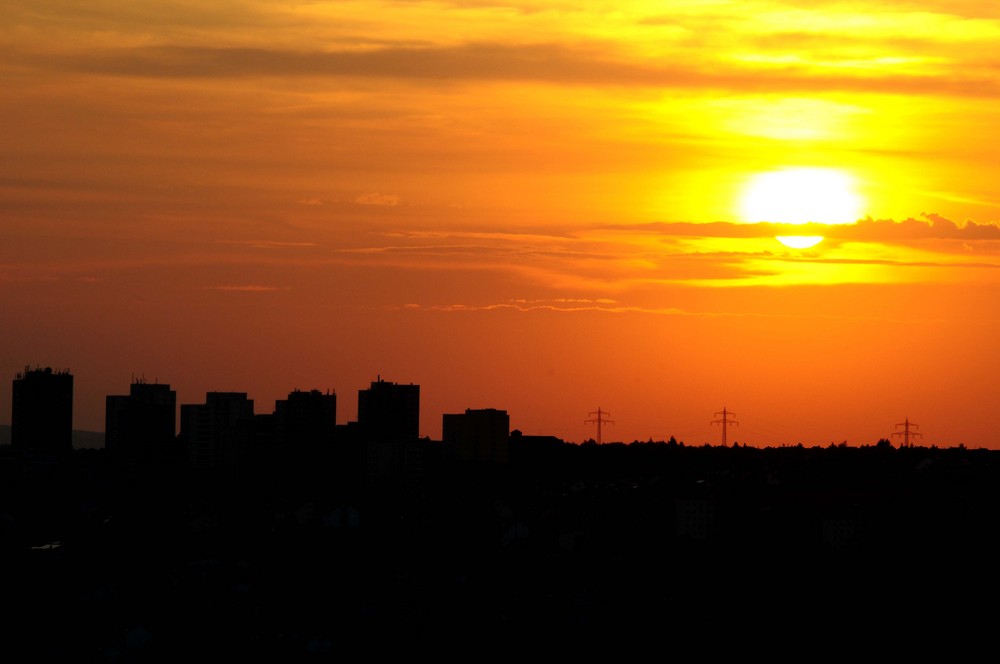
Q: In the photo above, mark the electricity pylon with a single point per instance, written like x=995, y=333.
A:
x=724, y=421
x=599, y=419
x=906, y=433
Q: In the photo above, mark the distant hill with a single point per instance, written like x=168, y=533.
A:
x=82, y=440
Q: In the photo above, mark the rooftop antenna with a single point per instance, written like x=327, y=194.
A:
x=724, y=421
x=599, y=419
x=906, y=433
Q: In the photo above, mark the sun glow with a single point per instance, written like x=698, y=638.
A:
x=799, y=241
x=801, y=196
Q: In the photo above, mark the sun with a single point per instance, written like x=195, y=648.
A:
x=801, y=196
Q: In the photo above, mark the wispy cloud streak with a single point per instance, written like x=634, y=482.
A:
x=586, y=64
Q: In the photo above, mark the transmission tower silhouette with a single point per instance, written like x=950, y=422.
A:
x=600, y=420
x=724, y=421
x=906, y=433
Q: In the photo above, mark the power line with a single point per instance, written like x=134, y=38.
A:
x=724, y=421
x=599, y=419
x=906, y=433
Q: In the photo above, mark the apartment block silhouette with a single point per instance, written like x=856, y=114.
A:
x=390, y=412
x=305, y=421
x=42, y=411
x=388, y=428
x=142, y=425
x=215, y=434
x=478, y=435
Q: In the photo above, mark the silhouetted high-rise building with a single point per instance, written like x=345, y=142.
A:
x=478, y=435
x=306, y=420
x=42, y=415
x=142, y=425
x=215, y=433
x=301, y=447
x=390, y=412
x=389, y=426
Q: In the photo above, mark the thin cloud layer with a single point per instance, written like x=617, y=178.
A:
x=555, y=64
x=247, y=288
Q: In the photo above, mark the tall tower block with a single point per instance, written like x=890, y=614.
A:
x=42, y=414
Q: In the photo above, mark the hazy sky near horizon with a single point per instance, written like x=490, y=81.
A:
x=538, y=206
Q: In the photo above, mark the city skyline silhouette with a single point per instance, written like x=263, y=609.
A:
x=287, y=535
x=496, y=329
x=87, y=438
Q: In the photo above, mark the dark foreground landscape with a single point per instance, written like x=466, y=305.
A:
x=563, y=547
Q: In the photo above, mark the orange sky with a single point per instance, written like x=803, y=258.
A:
x=532, y=206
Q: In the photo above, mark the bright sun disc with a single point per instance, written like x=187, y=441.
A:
x=799, y=241
x=801, y=196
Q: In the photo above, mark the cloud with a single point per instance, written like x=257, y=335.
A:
x=578, y=64
x=270, y=244
x=248, y=288
x=932, y=227
x=616, y=262
x=553, y=305
x=375, y=198
x=892, y=263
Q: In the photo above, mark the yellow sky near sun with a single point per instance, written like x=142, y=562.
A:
x=525, y=106
x=462, y=112
x=457, y=114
